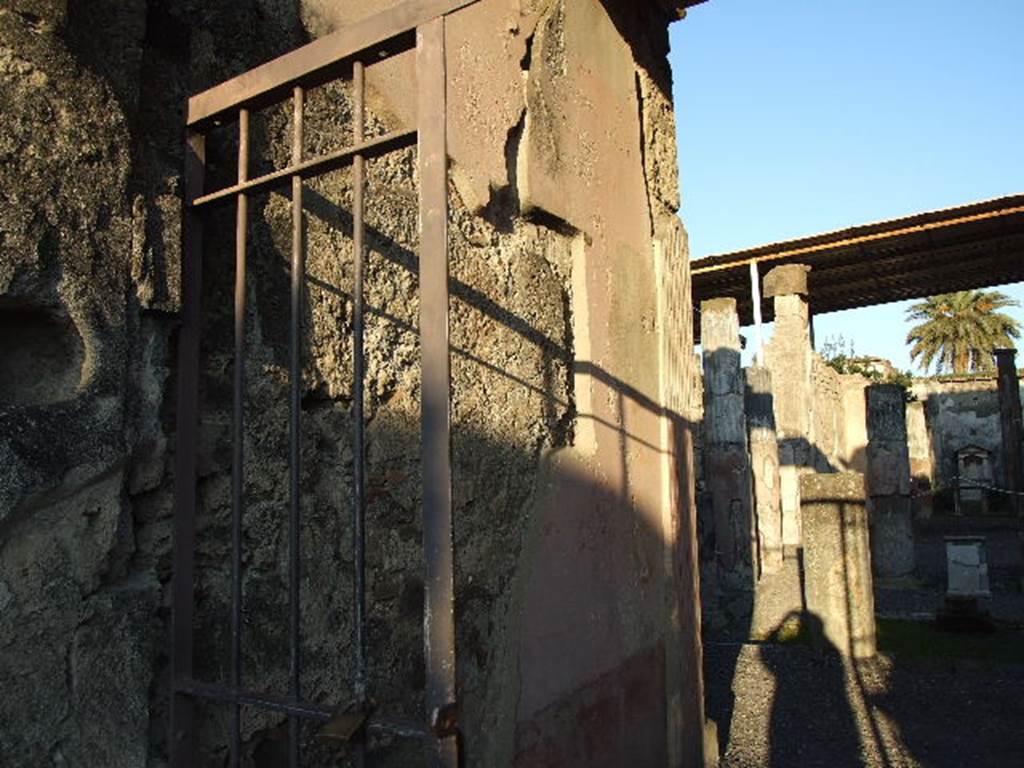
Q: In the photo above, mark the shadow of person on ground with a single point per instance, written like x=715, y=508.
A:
x=812, y=722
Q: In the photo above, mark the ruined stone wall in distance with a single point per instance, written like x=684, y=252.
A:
x=827, y=416
x=947, y=416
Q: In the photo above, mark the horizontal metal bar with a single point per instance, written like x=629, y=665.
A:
x=374, y=147
x=266, y=701
x=274, y=80
x=269, y=702
x=405, y=727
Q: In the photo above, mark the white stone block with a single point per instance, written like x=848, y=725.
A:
x=967, y=567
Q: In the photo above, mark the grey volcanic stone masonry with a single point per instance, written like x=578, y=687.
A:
x=726, y=462
x=557, y=383
x=888, y=481
x=837, y=561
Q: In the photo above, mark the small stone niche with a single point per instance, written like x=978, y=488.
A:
x=974, y=470
x=41, y=354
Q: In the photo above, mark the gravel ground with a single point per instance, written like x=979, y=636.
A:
x=799, y=707
x=796, y=706
x=1005, y=606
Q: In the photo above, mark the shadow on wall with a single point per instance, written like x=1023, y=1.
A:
x=563, y=587
x=562, y=591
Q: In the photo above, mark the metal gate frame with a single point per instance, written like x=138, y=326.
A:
x=415, y=24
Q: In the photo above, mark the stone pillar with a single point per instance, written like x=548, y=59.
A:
x=888, y=481
x=788, y=356
x=1010, y=418
x=726, y=463
x=837, y=562
x=764, y=463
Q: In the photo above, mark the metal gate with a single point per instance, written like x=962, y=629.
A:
x=415, y=24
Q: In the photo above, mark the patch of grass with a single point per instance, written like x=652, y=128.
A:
x=927, y=641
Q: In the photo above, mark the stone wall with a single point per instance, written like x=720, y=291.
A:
x=950, y=414
x=575, y=584
x=682, y=394
x=1004, y=547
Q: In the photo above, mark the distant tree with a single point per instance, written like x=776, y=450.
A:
x=839, y=354
x=837, y=347
x=958, y=331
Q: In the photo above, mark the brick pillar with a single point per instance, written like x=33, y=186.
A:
x=726, y=463
x=1010, y=418
x=837, y=562
x=789, y=356
x=764, y=462
x=888, y=481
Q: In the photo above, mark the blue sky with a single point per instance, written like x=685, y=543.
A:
x=803, y=116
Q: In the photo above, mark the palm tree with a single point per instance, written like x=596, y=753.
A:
x=960, y=330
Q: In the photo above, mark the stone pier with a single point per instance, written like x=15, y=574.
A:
x=764, y=462
x=837, y=562
x=726, y=462
x=888, y=481
x=578, y=620
x=788, y=356
x=1010, y=419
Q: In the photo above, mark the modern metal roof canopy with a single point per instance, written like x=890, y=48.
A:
x=954, y=249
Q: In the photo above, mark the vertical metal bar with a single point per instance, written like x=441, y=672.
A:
x=294, y=429
x=237, y=437
x=358, y=380
x=438, y=620
x=755, y=298
x=185, y=455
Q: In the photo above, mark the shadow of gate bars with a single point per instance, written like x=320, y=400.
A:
x=415, y=24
